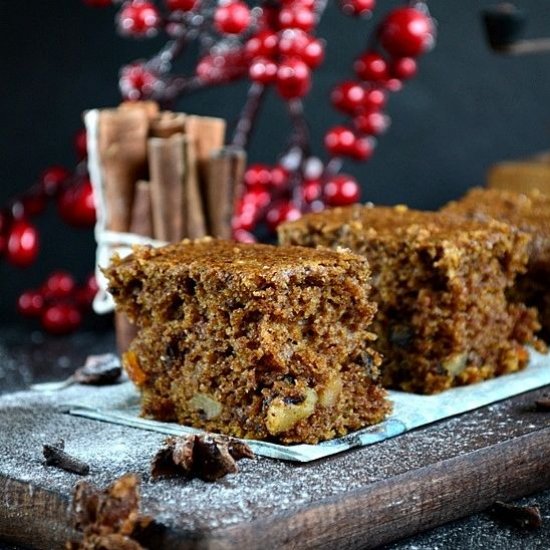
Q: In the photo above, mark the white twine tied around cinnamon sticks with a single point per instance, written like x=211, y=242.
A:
x=108, y=242
x=157, y=177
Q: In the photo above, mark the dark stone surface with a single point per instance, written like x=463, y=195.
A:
x=30, y=356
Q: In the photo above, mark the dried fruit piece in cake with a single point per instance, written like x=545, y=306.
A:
x=252, y=341
x=440, y=283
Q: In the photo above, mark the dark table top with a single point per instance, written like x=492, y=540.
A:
x=28, y=356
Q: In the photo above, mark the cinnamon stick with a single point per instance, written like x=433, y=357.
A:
x=167, y=123
x=225, y=177
x=195, y=218
x=122, y=150
x=209, y=136
x=141, y=221
x=151, y=108
x=168, y=198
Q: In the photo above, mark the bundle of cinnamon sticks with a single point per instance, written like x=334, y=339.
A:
x=162, y=175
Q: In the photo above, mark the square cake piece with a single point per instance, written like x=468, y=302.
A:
x=253, y=341
x=529, y=212
x=440, y=282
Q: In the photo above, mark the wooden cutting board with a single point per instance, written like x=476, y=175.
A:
x=359, y=499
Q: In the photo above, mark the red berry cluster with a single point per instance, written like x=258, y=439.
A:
x=283, y=51
x=72, y=193
x=59, y=302
x=266, y=192
x=268, y=196
x=403, y=35
x=274, y=45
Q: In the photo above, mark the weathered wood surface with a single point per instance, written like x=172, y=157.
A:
x=360, y=499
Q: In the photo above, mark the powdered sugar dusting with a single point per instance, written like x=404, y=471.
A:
x=262, y=488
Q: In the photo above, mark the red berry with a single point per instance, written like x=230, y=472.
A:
x=245, y=221
x=138, y=18
x=59, y=284
x=293, y=79
x=363, y=148
x=371, y=66
x=30, y=303
x=279, y=178
x=304, y=4
x=311, y=190
x=80, y=144
x=407, y=32
x=375, y=99
x=76, y=205
x=348, y=96
x=263, y=44
x=137, y=82
x=292, y=42
x=404, y=68
x=61, y=318
x=52, y=179
x=297, y=43
x=341, y=190
x=232, y=17
x=257, y=175
x=22, y=246
x=281, y=212
x=297, y=16
x=90, y=283
x=373, y=123
x=255, y=198
x=215, y=68
x=263, y=70
x=314, y=53
x=243, y=236
x=357, y=7
x=340, y=140
x=393, y=85
x=180, y=5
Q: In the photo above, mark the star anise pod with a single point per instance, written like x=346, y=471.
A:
x=208, y=457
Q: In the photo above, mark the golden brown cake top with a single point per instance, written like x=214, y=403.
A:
x=527, y=211
x=247, y=259
x=391, y=222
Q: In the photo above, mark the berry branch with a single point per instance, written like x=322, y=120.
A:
x=245, y=124
x=272, y=45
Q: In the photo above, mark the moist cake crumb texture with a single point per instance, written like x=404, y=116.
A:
x=253, y=341
x=529, y=212
x=441, y=285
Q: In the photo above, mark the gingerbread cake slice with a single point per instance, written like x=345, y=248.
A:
x=252, y=341
x=440, y=282
x=529, y=212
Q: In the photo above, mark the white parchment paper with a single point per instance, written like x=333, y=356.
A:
x=410, y=411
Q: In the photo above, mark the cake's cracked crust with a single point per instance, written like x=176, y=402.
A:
x=529, y=212
x=444, y=318
x=252, y=341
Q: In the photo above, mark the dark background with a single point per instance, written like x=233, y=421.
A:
x=467, y=109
